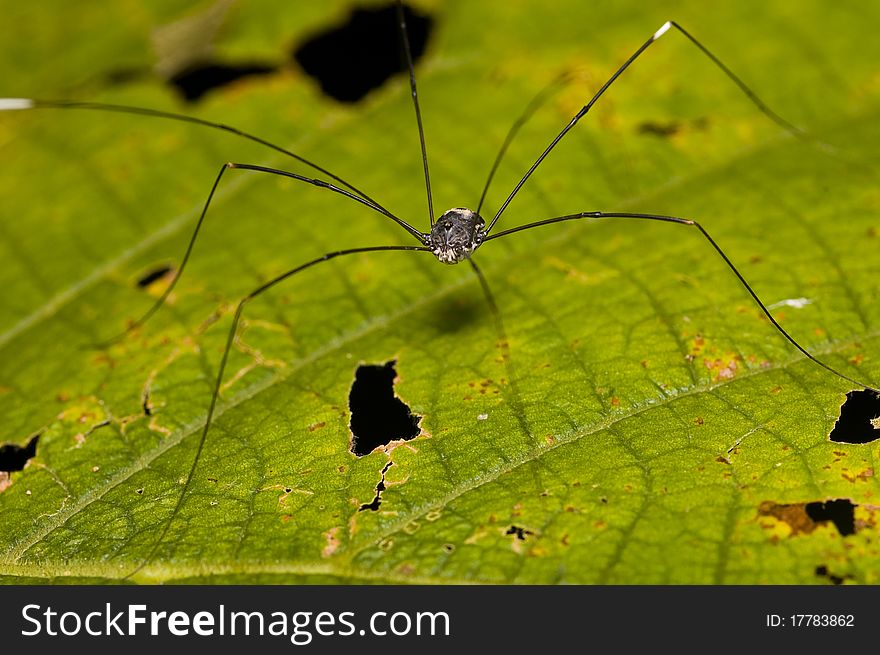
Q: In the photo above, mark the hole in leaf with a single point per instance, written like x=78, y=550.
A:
x=13, y=458
x=521, y=533
x=378, y=417
x=803, y=518
x=858, y=422
x=823, y=572
x=352, y=59
x=841, y=512
x=152, y=275
x=373, y=506
x=196, y=81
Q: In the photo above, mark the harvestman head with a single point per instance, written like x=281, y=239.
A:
x=452, y=238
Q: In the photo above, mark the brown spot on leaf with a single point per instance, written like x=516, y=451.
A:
x=722, y=368
x=697, y=344
x=804, y=518
x=793, y=515
x=861, y=476
x=333, y=543
x=661, y=129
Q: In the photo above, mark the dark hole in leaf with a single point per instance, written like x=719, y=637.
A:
x=521, y=533
x=13, y=458
x=196, y=81
x=146, y=403
x=378, y=417
x=841, y=512
x=351, y=59
x=152, y=275
x=823, y=572
x=377, y=499
x=856, y=416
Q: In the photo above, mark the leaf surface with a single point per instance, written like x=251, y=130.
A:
x=645, y=423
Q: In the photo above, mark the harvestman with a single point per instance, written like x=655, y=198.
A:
x=452, y=238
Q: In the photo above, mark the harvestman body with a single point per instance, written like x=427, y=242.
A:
x=453, y=237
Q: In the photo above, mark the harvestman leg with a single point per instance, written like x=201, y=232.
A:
x=717, y=248
x=534, y=104
x=407, y=53
x=261, y=169
x=762, y=107
x=21, y=104
x=229, y=341
x=504, y=344
x=253, y=294
x=655, y=217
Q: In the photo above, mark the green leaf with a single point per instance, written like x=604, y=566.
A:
x=646, y=424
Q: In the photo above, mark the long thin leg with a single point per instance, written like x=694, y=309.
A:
x=261, y=169
x=504, y=344
x=534, y=104
x=583, y=111
x=229, y=341
x=401, y=19
x=17, y=104
x=702, y=230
